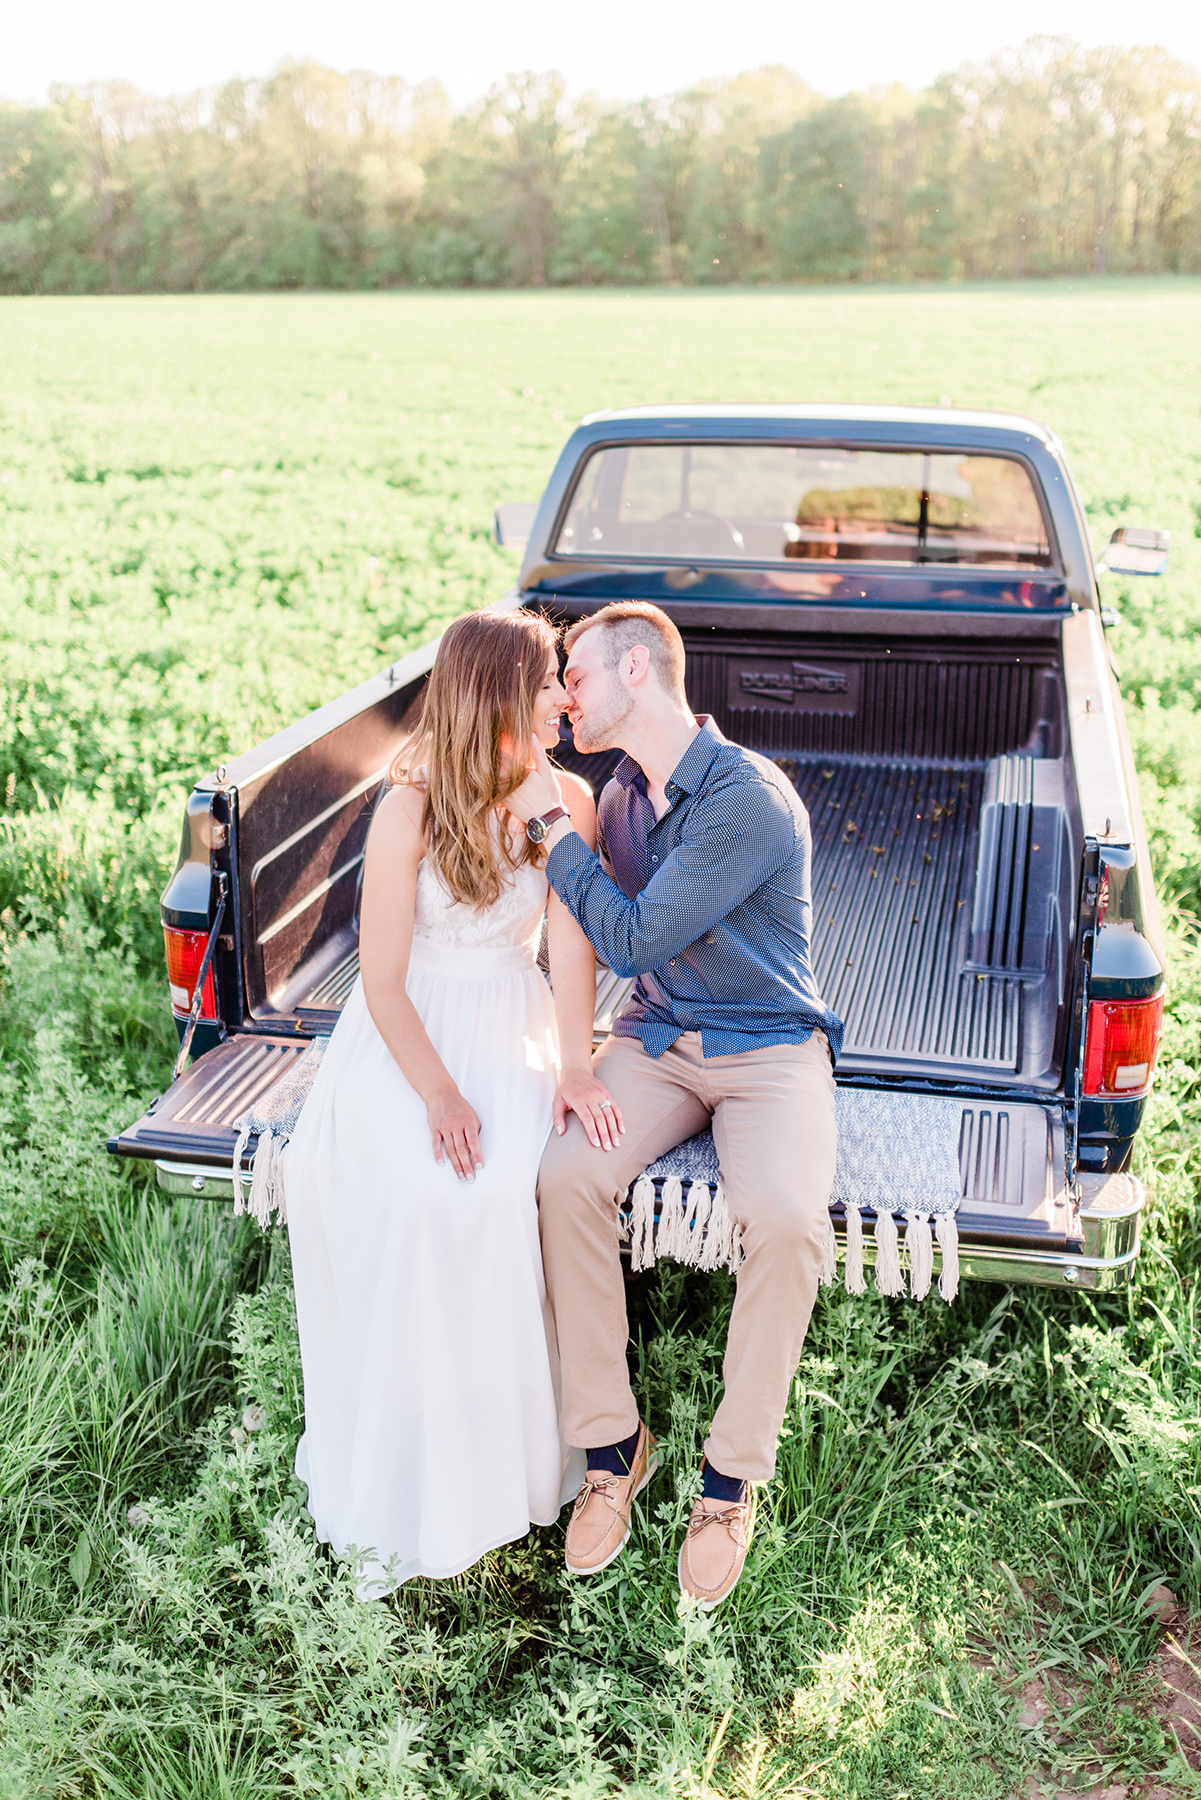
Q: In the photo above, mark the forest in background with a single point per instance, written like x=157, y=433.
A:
x=1048, y=160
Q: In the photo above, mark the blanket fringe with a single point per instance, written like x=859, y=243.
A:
x=947, y=1232
x=919, y=1249
x=694, y=1227
x=889, y=1279
x=672, y=1241
x=727, y=1237
x=642, y=1225
x=828, y=1272
x=266, y=1194
x=239, y=1178
x=853, y=1269
x=700, y=1211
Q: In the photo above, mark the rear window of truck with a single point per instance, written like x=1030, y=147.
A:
x=768, y=503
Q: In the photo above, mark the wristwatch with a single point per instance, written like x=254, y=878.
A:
x=536, y=829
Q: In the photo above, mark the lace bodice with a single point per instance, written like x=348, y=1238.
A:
x=514, y=922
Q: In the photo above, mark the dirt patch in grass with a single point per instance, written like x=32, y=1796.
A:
x=1175, y=1672
x=1168, y=1691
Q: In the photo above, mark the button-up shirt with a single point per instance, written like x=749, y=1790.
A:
x=708, y=906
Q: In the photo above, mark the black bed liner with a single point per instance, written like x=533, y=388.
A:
x=930, y=939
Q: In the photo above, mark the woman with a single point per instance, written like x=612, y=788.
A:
x=430, y=1373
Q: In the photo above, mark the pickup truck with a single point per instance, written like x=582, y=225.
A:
x=900, y=606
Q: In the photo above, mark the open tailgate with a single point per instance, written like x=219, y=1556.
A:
x=190, y=1128
x=1019, y=1219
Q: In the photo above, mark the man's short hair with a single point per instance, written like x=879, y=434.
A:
x=625, y=623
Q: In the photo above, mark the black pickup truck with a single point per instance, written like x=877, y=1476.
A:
x=898, y=605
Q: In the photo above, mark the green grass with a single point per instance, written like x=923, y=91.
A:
x=216, y=513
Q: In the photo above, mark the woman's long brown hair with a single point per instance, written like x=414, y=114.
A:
x=477, y=710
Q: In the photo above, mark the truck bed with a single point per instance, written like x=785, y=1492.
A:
x=944, y=847
x=946, y=858
x=924, y=939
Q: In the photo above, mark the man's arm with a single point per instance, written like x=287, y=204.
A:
x=746, y=832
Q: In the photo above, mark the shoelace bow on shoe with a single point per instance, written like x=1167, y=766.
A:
x=730, y=1516
x=604, y=1483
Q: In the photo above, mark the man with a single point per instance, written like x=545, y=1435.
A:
x=701, y=888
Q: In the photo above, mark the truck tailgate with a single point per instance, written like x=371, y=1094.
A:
x=1018, y=1219
x=193, y=1122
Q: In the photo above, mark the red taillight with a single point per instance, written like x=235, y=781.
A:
x=185, y=953
x=1121, y=1046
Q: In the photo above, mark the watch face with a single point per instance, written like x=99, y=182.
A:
x=535, y=830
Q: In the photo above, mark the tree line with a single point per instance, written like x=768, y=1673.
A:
x=1049, y=160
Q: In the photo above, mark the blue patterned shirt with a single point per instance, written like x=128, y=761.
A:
x=709, y=905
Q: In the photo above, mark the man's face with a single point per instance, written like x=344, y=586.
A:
x=598, y=700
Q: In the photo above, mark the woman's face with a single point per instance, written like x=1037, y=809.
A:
x=549, y=704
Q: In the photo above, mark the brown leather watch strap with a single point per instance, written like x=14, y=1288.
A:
x=537, y=829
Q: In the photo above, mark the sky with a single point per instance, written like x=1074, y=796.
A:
x=619, y=49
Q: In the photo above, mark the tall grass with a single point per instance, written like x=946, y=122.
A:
x=968, y=1498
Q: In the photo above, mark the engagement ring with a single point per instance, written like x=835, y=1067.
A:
x=605, y=1103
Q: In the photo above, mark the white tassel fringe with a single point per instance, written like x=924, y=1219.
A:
x=948, y=1242
x=853, y=1271
x=267, y=1180
x=642, y=1225
x=239, y=1178
x=703, y=1230
x=671, y=1220
x=727, y=1237
x=695, y=1228
x=889, y=1279
x=919, y=1248
x=828, y=1272
x=266, y=1195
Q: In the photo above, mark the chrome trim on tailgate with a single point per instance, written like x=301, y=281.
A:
x=201, y=1179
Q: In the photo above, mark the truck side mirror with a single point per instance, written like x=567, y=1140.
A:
x=512, y=523
x=1137, y=550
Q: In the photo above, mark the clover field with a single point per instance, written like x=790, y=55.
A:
x=217, y=513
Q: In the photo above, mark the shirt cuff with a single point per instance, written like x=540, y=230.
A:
x=570, y=856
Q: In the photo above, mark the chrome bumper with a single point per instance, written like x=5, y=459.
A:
x=1103, y=1239
x=1103, y=1243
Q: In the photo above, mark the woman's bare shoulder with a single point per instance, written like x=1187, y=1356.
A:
x=581, y=808
x=396, y=824
x=574, y=787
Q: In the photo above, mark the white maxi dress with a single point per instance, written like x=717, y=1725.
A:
x=430, y=1370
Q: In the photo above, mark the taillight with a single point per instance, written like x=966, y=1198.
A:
x=185, y=953
x=1121, y=1046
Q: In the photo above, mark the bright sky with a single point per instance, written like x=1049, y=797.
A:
x=621, y=49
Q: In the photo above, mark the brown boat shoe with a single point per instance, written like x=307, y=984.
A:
x=713, y=1554
x=600, y=1520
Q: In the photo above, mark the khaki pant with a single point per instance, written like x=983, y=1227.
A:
x=772, y=1113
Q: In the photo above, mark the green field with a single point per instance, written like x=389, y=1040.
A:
x=216, y=513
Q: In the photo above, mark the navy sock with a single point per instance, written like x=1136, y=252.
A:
x=720, y=1487
x=617, y=1458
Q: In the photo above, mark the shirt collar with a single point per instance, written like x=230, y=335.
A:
x=692, y=767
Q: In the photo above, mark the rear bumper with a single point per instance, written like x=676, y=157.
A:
x=1108, y=1217
x=1098, y=1256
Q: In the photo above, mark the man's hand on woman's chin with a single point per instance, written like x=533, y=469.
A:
x=540, y=790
